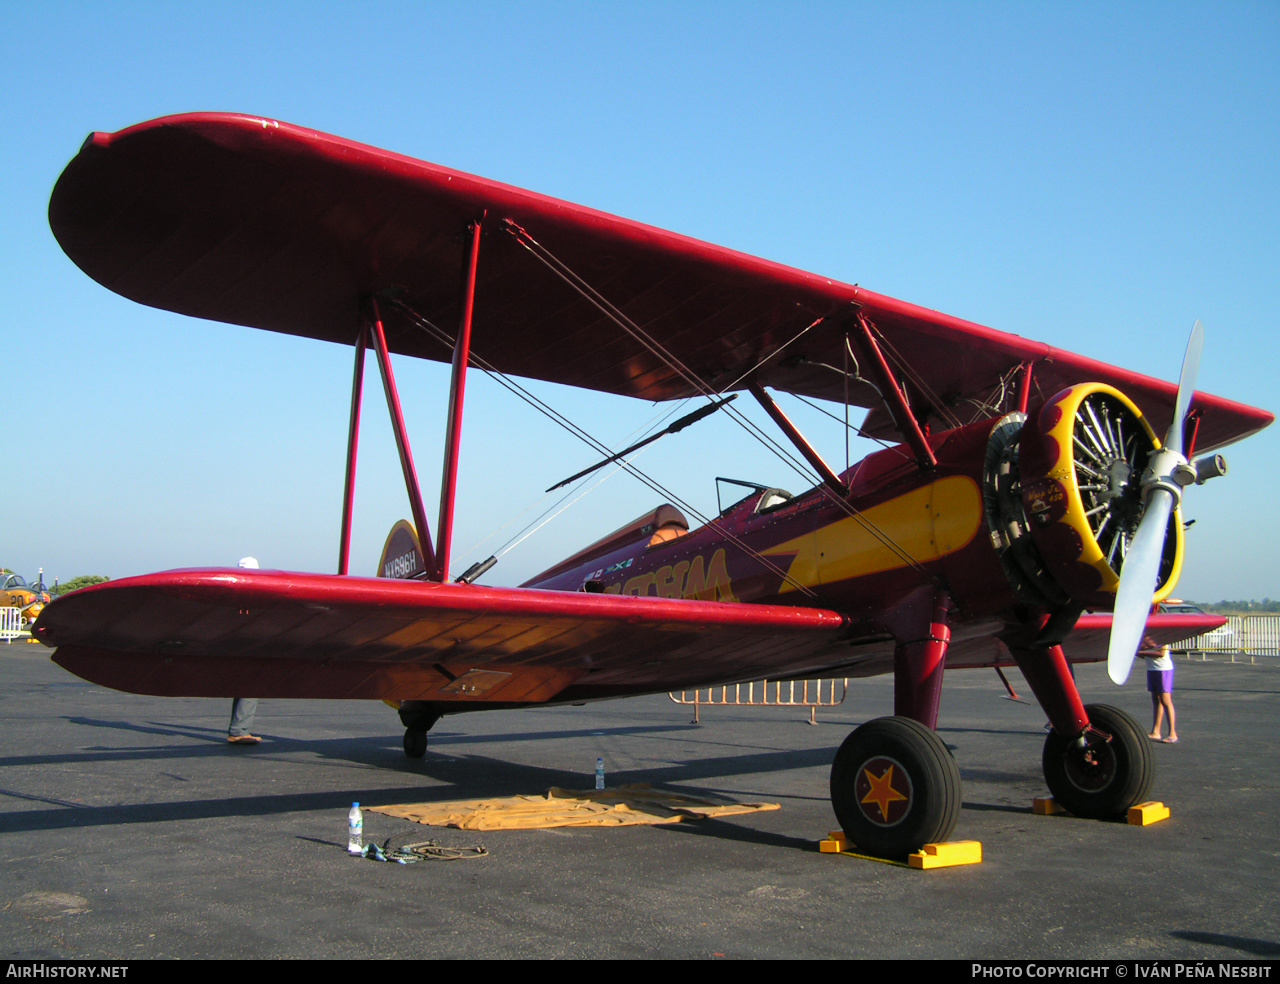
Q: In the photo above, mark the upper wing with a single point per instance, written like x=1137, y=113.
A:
x=228, y=633
x=255, y=222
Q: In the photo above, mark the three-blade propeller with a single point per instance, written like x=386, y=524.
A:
x=1162, y=483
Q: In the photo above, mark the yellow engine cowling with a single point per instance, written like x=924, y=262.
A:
x=1081, y=460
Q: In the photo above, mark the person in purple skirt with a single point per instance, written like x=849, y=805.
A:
x=1160, y=684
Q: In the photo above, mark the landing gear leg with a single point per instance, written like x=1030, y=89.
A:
x=417, y=717
x=1097, y=759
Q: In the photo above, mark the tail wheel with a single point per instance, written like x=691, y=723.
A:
x=895, y=787
x=415, y=743
x=1102, y=779
x=418, y=717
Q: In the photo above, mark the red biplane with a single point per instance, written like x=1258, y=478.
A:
x=1020, y=485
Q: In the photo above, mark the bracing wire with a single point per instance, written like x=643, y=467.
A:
x=599, y=446
x=565, y=273
x=551, y=512
x=904, y=367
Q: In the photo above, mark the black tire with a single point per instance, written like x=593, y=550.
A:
x=415, y=743
x=1103, y=779
x=922, y=792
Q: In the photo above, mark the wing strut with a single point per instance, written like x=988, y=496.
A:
x=402, y=436
x=898, y=406
x=353, y=441
x=1024, y=387
x=372, y=328
x=829, y=477
x=457, y=392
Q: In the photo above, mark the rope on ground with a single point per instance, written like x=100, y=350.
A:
x=421, y=851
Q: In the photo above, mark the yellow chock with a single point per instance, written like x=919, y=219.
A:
x=947, y=855
x=836, y=843
x=1145, y=814
x=1046, y=806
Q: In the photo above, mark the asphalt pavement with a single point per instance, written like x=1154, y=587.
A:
x=129, y=829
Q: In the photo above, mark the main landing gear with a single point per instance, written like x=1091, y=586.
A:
x=895, y=787
x=1105, y=771
x=1097, y=759
x=417, y=718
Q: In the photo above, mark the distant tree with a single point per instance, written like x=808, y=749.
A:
x=83, y=581
x=1243, y=607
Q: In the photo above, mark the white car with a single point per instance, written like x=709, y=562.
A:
x=1220, y=640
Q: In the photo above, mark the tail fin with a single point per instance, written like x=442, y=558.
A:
x=402, y=554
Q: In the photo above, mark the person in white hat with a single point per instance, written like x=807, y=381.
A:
x=243, y=709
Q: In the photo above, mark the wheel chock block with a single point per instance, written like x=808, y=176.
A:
x=1046, y=806
x=947, y=855
x=1145, y=814
x=836, y=843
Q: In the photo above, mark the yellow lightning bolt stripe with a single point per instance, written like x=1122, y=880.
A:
x=926, y=523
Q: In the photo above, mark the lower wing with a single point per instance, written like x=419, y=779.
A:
x=227, y=633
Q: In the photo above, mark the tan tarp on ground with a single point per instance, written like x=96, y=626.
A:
x=622, y=806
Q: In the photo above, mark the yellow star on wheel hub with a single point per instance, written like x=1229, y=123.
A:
x=882, y=792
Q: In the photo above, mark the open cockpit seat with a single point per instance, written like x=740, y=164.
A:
x=772, y=499
x=658, y=525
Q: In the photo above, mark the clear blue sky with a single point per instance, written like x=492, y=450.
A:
x=1093, y=176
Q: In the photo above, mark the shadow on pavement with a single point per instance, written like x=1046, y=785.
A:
x=1258, y=948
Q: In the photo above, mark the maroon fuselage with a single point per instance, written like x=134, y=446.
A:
x=737, y=558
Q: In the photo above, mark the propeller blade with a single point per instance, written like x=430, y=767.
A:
x=1138, y=585
x=1186, y=388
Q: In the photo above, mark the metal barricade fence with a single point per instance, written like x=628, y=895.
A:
x=768, y=693
x=10, y=623
x=1243, y=635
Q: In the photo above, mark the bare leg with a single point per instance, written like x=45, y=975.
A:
x=1166, y=701
x=1157, y=715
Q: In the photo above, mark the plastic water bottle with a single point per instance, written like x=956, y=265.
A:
x=599, y=773
x=355, y=830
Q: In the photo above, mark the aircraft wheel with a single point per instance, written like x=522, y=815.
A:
x=1104, y=778
x=415, y=743
x=895, y=787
